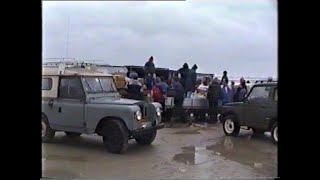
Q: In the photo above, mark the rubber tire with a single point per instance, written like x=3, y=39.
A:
x=272, y=133
x=72, y=134
x=146, y=139
x=115, y=136
x=47, y=138
x=236, y=126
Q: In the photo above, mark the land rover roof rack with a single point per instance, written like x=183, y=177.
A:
x=68, y=62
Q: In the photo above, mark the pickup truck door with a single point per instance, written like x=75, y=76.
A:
x=256, y=107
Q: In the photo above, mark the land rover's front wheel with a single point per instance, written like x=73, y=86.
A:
x=115, y=136
x=47, y=133
x=230, y=126
x=274, y=133
x=147, y=139
x=73, y=134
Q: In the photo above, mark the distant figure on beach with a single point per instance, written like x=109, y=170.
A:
x=224, y=78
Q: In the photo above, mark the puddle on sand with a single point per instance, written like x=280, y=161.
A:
x=260, y=155
x=193, y=155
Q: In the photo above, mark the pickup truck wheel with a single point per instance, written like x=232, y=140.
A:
x=230, y=126
x=274, y=133
x=73, y=134
x=147, y=139
x=47, y=134
x=115, y=136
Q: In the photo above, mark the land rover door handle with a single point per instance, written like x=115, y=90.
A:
x=51, y=103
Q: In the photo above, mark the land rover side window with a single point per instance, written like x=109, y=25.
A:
x=46, y=83
x=259, y=94
x=99, y=84
x=275, y=98
x=71, y=88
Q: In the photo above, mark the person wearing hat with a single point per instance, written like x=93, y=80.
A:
x=134, y=87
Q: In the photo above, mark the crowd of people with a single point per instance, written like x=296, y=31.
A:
x=186, y=85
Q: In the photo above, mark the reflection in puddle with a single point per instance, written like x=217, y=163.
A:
x=194, y=155
x=260, y=155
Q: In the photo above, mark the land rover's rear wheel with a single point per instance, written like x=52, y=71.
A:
x=47, y=133
x=115, y=136
x=73, y=134
x=147, y=139
x=230, y=126
x=274, y=133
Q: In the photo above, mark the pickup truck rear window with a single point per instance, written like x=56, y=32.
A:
x=46, y=84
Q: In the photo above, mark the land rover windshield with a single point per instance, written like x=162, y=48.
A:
x=99, y=84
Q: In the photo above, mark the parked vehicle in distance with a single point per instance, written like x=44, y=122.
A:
x=258, y=112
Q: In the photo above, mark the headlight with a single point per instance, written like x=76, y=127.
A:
x=158, y=112
x=139, y=115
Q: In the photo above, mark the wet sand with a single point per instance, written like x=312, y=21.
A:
x=177, y=153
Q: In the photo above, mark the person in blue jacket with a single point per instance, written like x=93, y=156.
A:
x=225, y=93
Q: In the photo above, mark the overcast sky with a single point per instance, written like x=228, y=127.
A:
x=239, y=36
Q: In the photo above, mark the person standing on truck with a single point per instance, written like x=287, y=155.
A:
x=149, y=67
x=224, y=78
x=178, y=95
x=194, y=76
x=213, y=96
x=186, y=79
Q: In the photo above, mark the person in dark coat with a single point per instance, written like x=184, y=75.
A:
x=213, y=96
x=240, y=94
x=241, y=91
x=224, y=78
x=194, y=75
x=233, y=91
x=186, y=79
x=179, y=92
x=149, y=67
